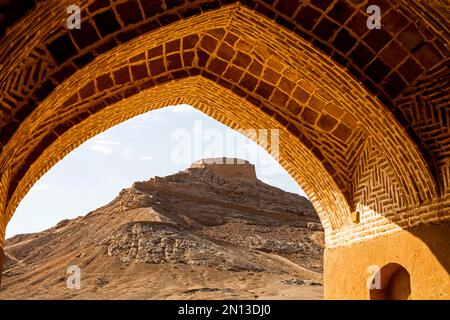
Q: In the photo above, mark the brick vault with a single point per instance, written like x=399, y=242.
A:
x=363, y=113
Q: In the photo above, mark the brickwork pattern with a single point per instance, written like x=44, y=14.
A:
x=426, y=116
x=187, y=91
x=374, y=185
x=387, y=62
x=295, y=64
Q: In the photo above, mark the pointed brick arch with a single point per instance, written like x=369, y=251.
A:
x=330, y=90
x=221, y=104
x=300, y=95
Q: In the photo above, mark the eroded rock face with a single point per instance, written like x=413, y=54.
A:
x=158, y=243
x=212, y=215
x=227, y=185
x=161, y=243
x=220, y=199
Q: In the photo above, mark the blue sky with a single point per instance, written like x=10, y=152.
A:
x=157, y=143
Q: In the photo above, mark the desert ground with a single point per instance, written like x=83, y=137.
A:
x=203, y=233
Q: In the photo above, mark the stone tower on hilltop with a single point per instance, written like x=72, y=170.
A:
x=228, y=167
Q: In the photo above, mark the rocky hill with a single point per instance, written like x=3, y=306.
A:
x=211, y=231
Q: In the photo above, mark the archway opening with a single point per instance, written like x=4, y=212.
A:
x=354, y=112
x=108, y=145
x=391, y=282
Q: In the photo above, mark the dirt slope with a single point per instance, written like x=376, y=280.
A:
x=211, y=231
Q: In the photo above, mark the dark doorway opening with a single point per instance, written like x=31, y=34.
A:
x=392, y=282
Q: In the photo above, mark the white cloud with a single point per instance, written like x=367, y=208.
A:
x=147, y=158
x=182, y=108
x=152, y=117
x=127, y=152
x=38, y=187
x=107, y=142
x=104, y=146
x=102, y=149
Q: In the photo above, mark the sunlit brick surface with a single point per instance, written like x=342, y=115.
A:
x=363, y=113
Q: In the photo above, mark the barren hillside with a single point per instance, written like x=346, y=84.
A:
x=211, y=231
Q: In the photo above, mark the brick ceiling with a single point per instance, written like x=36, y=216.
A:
x=404, y=65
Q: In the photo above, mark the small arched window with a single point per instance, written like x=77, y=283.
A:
x=392, y=282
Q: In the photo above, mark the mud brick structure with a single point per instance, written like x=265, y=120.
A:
x=363, y=114
x=228, y=168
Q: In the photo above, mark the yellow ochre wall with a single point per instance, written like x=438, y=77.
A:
x=424, y=251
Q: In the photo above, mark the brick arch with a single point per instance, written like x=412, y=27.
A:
x=398, y=64
x=289, y=81
x=49, y=54
x=366, y=110
x=221, y=104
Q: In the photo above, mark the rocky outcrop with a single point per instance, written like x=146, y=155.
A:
x=215, y=214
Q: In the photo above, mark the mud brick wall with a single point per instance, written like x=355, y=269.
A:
x=363, y=114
